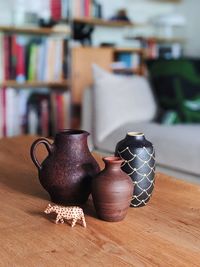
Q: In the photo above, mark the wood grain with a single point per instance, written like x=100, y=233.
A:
x=164, y=233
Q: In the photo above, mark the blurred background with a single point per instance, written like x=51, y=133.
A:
x=62, y=61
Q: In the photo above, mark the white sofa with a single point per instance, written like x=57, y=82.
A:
x=177, y=146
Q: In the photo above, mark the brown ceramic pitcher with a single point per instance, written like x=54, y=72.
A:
x=67, y=172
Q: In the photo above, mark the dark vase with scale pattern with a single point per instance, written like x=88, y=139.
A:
x=139, y=163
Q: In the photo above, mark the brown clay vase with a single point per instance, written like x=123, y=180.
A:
x=112, y=191
x=67, y=172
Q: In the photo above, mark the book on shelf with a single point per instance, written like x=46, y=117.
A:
x=168, y=51
x=59, y=9
x=86, y=9
x=6, y=56
x=152, y=49
x=155, y=49
x=33, y=111
x=2, y=75
x=126, y=60
x=56, y=9
x=11, y=109
x=20, y=68
x=26, y=58
x=65, y=9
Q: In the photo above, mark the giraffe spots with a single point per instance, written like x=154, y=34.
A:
x=73, y=213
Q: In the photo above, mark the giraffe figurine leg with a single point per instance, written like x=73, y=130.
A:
x=73, y=222
x=58, y=218
x=83, y=221
x=62, y=220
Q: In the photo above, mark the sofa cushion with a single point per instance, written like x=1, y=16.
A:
x=119, y=100
x=176, y=146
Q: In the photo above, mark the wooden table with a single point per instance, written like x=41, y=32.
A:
x=164, y=233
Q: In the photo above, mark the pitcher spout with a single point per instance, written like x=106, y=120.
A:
x=72, y=138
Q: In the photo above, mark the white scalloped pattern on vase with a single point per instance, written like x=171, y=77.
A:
x=133, y=171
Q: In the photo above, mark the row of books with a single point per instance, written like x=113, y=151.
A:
x=81, y=8
x=126, y=60
x=155, y=49
x=33, y=112
x=32, y=59
x=87, y=8
x=59, y=9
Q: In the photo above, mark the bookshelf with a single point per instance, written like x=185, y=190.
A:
x=157, y=39
x=128, y=50
x=35, y=84
x=82, y=60
x=160, y=47
x=10, y=48
x=133, y=60
x=79, y=59
x=84, y=57
x=104, y=23
x=33, y=30
x=168, y=1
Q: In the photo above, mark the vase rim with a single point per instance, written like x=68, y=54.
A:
x=72, y=132
x=135, y=134
x=113, y=159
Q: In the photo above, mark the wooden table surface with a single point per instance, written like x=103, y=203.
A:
x=164, y=233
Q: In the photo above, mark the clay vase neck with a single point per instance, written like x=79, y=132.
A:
x=112, y=164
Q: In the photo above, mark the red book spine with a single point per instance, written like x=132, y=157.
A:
x=87, y=8
x=55, y=7
x=13, y=57
x=20, y=64
x=152, y=49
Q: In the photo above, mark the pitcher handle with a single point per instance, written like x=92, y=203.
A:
x=48, y=146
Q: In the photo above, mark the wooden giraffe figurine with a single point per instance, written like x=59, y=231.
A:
x=69, y=213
